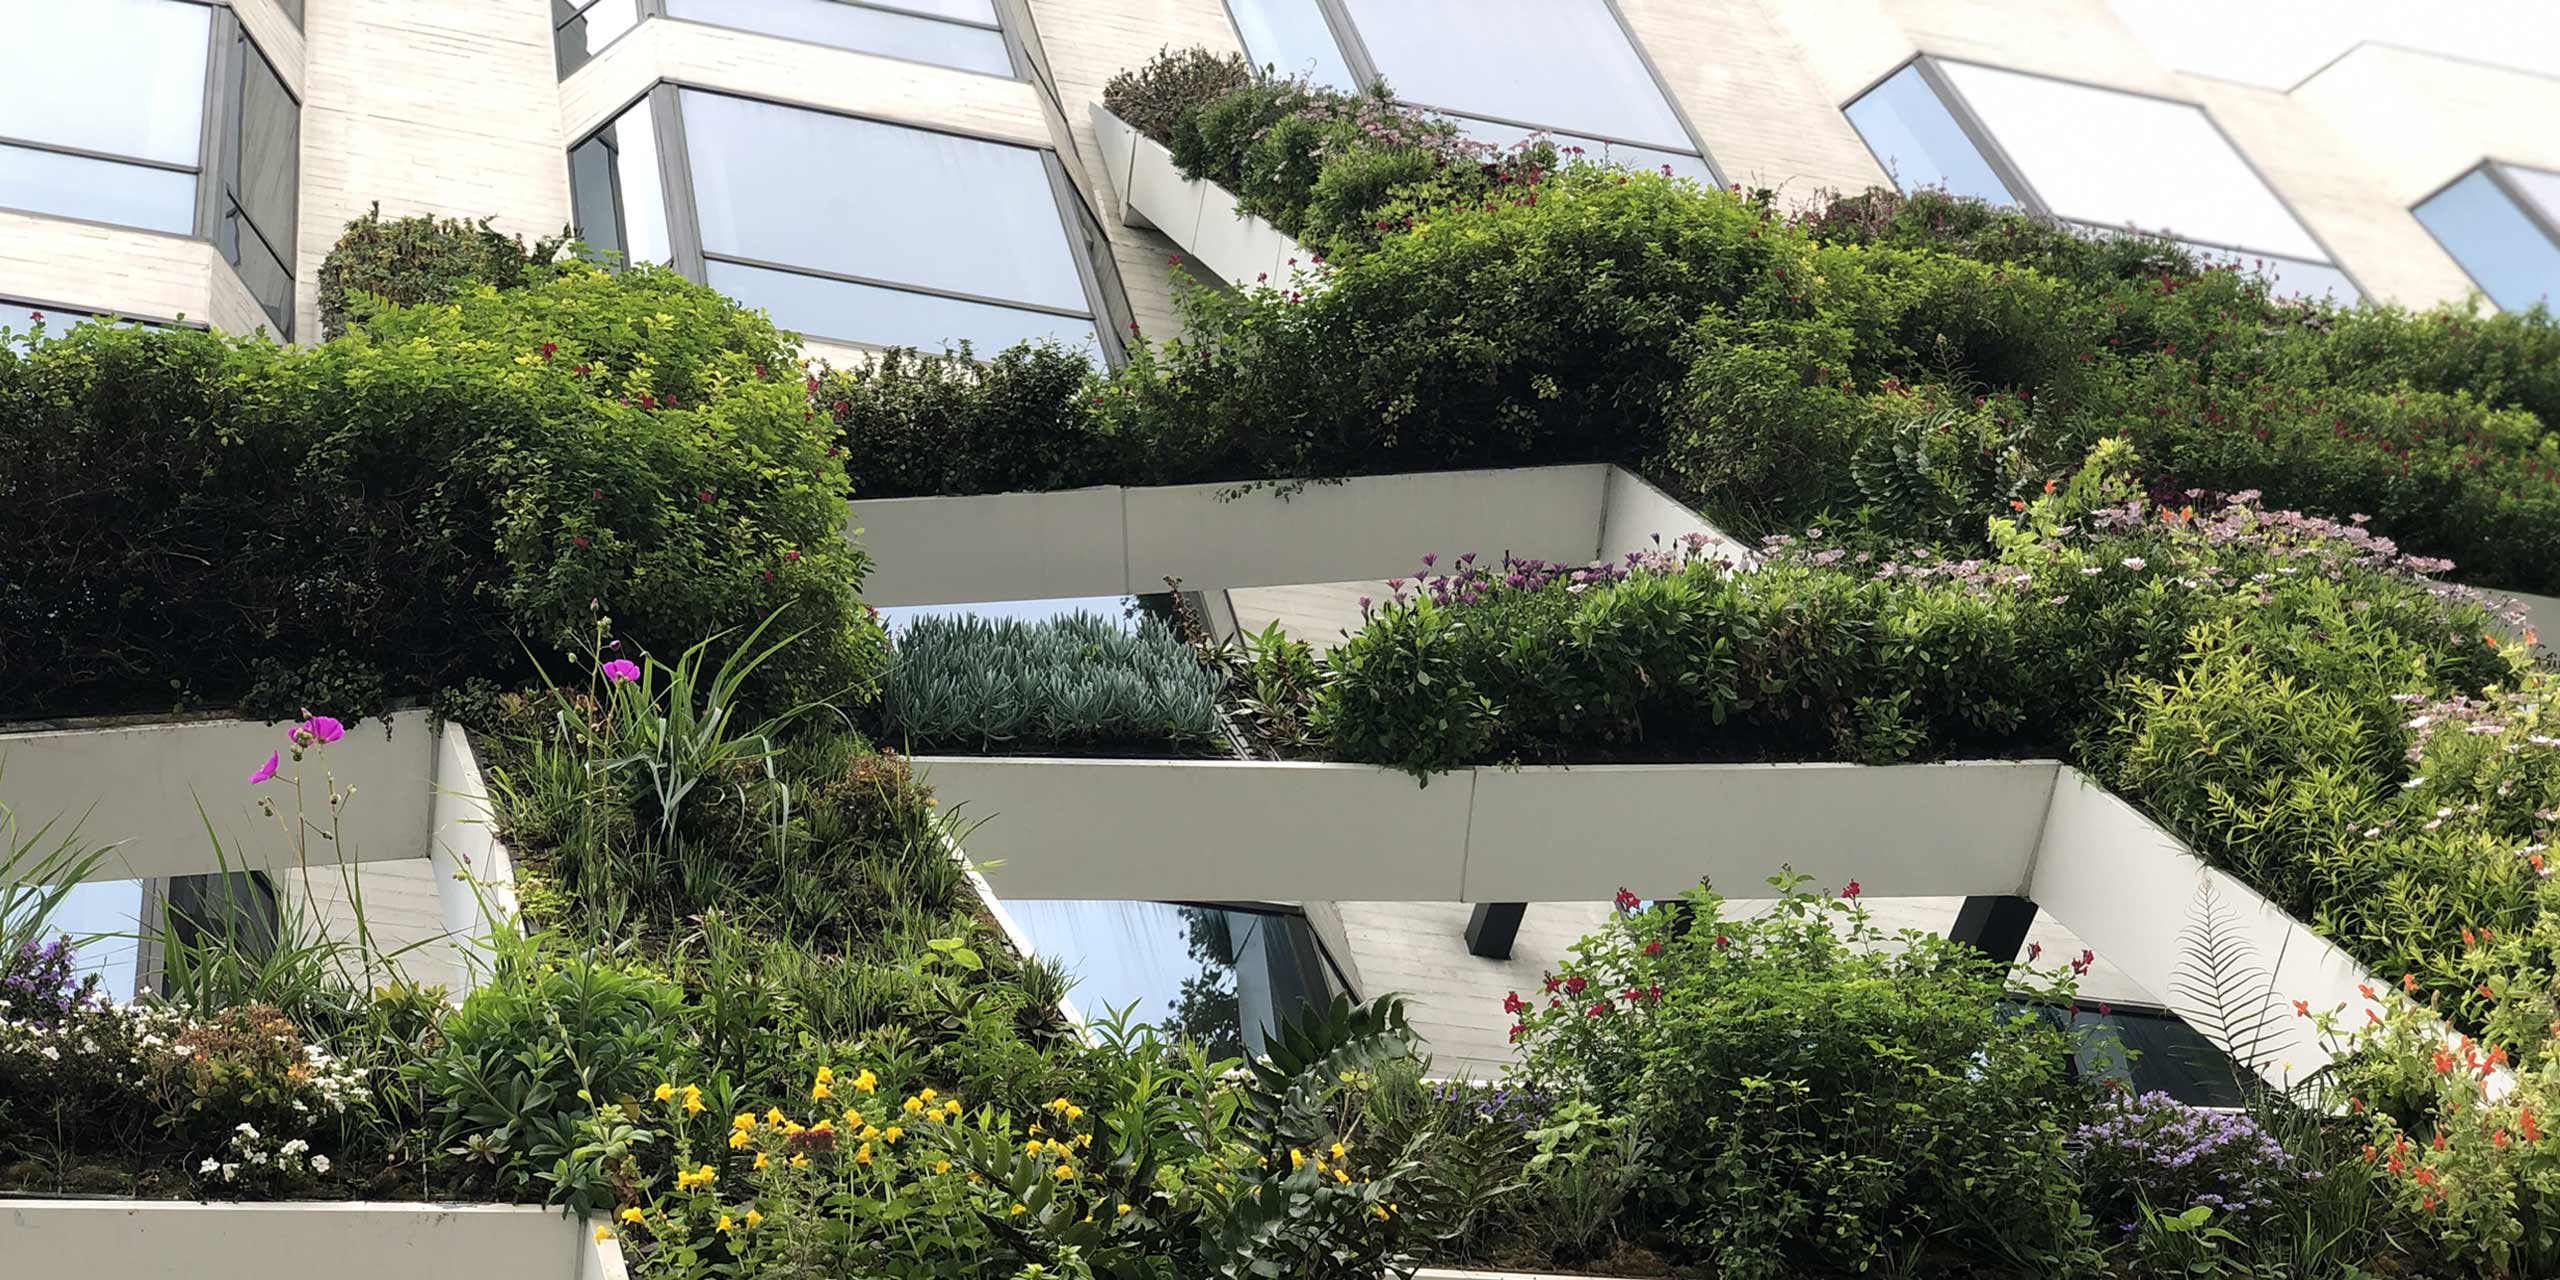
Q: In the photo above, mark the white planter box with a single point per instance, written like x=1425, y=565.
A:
x=154, y=1240
x=417, y=837
x=1119, y=540
x=1222, y=830
x=1202, y=217
x=1296, y=832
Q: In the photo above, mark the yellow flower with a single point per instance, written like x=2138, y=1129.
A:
x=762, y=1160
x=1297, y=1160
x=1020, y=1208
x=913, y=1105
x=738, y=1139
x=1124, y=1210
x=693, y=1100
x=868, y=1132
x=1340, y=1176
x=942, y=1166
x=867, y=1082
x=952, y=1108
x=823, y=1126
x=603, y=1234
x=891, y=1134
x=1380, y=1210
x=1084, y=1140
x=800, y=1162
x=755, y=1219
x=1033, y=1127
x=1031, y=1147
x=773, y=1116
x=633, y=1215
x=928, y=1095
x=665, y=1091
x=826, y=1075
x=863, y=1156
x=726, y=1225
x=1337, y=1151
x=852, y=1118
x=1074, y=1112
x=819, y=1092
x=1059, y=1104
x=743, y=1121
x=1063, y=1173
x=794, y=1126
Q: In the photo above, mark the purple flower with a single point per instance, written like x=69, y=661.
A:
x=620, y=670
x=267, y=770
x=323, y=729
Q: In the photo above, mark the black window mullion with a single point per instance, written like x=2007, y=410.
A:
x=219, y=124
x=1111, y=313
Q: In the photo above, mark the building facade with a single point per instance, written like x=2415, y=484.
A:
x=920, y=172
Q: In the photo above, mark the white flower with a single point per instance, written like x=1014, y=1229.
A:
x=2135, y=563
x=2089, y=571
x=51, y=1054
x=295, y=1147
x=247, y=1130
x=210, y=1165
x=319, y=1164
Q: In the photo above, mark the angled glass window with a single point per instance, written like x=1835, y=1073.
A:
x=965, y=34
x=617, y=187
x=1918, y=141
x=102, y=109
x=1503, y=69
x=261, y=176
x=974, y=43
x=845, y=229
x=20, y=320
x=1291, y=38
x=2099, y=158
x=1223, y=975
x=2502, y=224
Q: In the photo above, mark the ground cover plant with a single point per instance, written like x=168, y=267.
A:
x=1080, y=681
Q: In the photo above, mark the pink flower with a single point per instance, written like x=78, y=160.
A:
x=323, y=729
x=620, y=670
x=267, y=770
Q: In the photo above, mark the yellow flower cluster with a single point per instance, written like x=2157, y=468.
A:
x=667, y=1091
x=687, y=1180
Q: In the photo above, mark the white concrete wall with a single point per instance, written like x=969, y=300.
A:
x=137, y=786
x=1114, y=540
x=148, y=275
x=157, y=1240
x=449, y=108
x=1235, y=830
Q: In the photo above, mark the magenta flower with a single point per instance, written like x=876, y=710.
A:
x=324, y=729
x=620, y=670
x=267, y=770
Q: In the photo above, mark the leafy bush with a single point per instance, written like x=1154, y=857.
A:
x=1817, y=1103
x=1163, y=98
x=415, y=503
x=1080, y=680
x=910, y=423
x=419, y=260
x=2154, y=1151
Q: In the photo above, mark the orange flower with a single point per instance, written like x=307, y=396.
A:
x=2409, y=982
x=2426, y=1177
x=2017, y=505
x=2302, y=1008
x=2524, y=1121
x=2485, y=992
x=2498, y=1139
x=2468, y=940
x=2365, y=989
x=2444, y=1062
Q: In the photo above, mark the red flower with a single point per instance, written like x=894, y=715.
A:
x=1512, y=1003
x=2302, y=1008
x=704, y=495
x=792, y=553
x=1723, y=941
x=2034, y=949
x=550, y=349
x=1628, y=901
x=1573, y=986
x=579, y=540
x=1655, y=948
x=1519, y=1029
x=1597, y=1009
x=1850, y=891
x=1553, y=982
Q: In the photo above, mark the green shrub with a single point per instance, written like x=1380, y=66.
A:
x=910, y=423
x=415, y=503
x=419, y=260
x=1817, y=1103
x=1163, y=98
x=1080, y=680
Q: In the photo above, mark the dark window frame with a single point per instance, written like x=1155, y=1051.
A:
x=1088, y=243
x=1365, y=71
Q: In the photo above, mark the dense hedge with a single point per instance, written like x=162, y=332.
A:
x=1878, y=358
x=194, y=520
x=419, y=259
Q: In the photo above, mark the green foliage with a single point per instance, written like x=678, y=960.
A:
x=419, y=260
x=1819, y=1103
x=1163, y=98
x=910, y=423
x=412, y=504
x=1080, y=680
